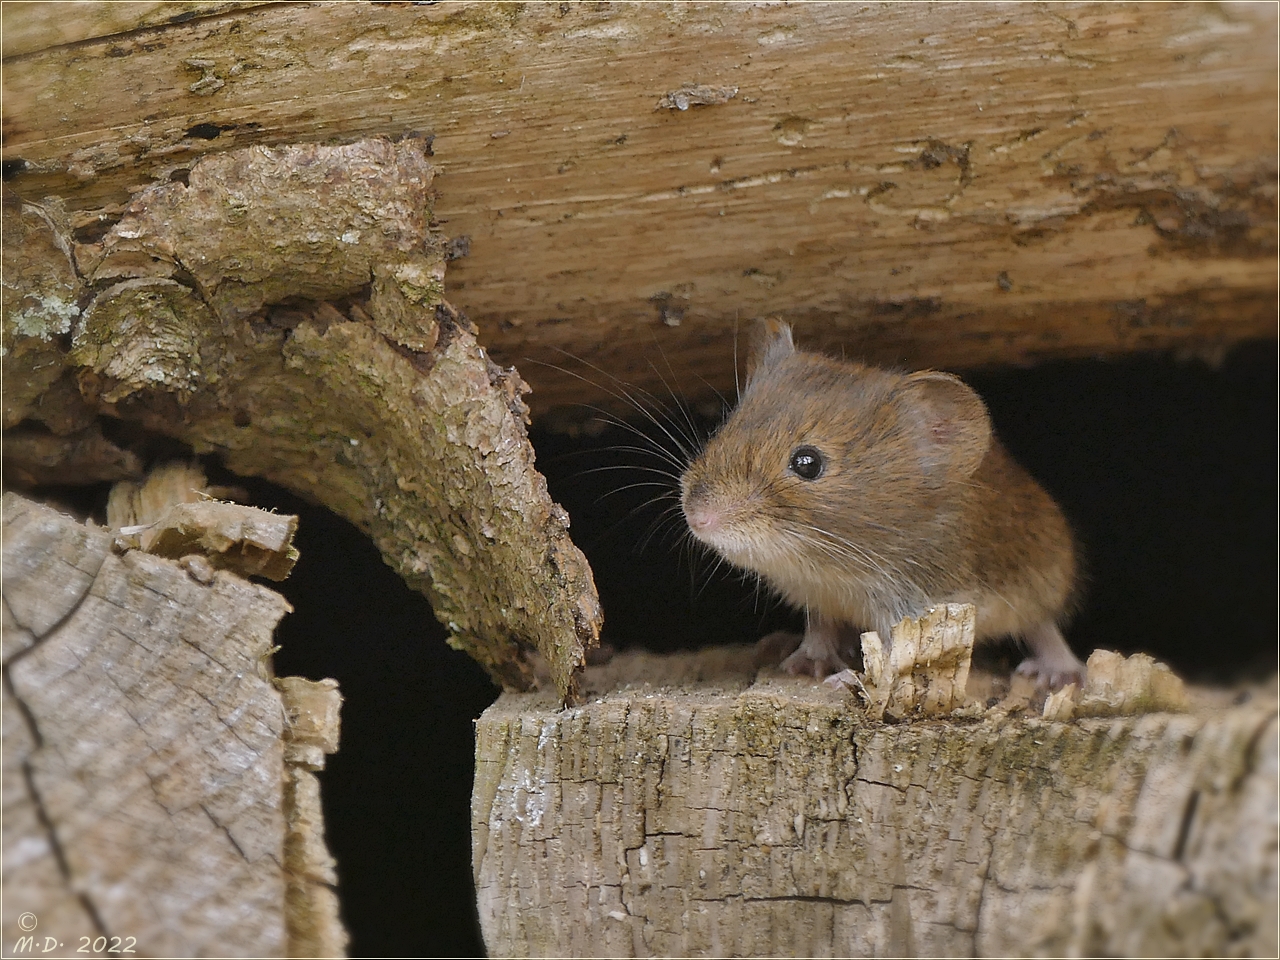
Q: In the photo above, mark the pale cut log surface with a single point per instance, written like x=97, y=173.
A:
x=708, y=813
x=947, y=185
x=144, y=791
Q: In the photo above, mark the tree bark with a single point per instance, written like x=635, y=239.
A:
x=158, y=792
x=950, y=185
x=689, y=808
x=282, y=308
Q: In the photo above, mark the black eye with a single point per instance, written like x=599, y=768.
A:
x=807, y=463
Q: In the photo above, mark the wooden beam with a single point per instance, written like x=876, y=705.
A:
x=951, y=185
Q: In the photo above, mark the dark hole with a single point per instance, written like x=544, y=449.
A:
x=181, y=175
x=205, y=131
x=397, y=794
x=94, y=231
x=11, y=168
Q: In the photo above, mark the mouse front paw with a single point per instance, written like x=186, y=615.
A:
x=1052, y=675
x=1051, y=664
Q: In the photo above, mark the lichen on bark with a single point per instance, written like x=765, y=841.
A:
x=283, y=310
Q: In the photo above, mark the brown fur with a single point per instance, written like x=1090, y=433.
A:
x=918, y=503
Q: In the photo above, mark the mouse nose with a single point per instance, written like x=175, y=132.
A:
x=702, y=519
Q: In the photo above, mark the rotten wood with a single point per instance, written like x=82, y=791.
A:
x=952, y=185
x=282, y=308
x=149, y=802
x=692, y=808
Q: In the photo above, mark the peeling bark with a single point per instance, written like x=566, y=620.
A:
x=282, y=309
x=744, y=816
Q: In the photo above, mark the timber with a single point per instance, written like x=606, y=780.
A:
x=955, y=185
x=691, y=807
x=159, y=789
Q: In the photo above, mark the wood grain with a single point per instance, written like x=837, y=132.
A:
x=934, y=185
x=144, y=751
x=159, y=784
x=690, y=808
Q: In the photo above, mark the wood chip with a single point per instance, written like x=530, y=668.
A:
x=695, y=95
x=252, y=542
x=926, y=668
x=1116, y=685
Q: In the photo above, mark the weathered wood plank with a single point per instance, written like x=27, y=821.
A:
x=34, y=25
x=144, y=795
x=953, y=185
x=692, y=809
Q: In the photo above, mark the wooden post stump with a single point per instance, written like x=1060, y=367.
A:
x=159, y=789
x=704, y=812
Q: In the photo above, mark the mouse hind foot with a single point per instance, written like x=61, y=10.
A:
x=1051, y=664
x=791, y=653
x=828, y=647
x=772, y=649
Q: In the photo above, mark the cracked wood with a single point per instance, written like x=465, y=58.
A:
x=689, y=808
x=947, y=185
x=145, y=777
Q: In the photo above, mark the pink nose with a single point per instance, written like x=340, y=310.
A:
x=702, y=520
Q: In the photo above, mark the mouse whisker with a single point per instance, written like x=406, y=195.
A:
x=681, y=401
x=643, y=451
x=670, y=518
x=655, y=449
x=636, y=486
x=650, y=410
x=838, y=547
x=634, y=468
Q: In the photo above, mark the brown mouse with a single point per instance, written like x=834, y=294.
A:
x=864, y=496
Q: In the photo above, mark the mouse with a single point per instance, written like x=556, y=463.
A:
x=864, y=495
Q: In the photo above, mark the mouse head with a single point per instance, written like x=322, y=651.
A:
x=823, y=457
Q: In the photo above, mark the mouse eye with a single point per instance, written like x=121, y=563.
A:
x=807, y=463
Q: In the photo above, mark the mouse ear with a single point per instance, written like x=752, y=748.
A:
x=955, y=430
x=770, y=342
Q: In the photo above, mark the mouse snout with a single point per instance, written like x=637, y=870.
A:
x=704, y=516
x=703, y=519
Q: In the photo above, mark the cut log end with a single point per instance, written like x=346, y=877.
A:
x=771, y=816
